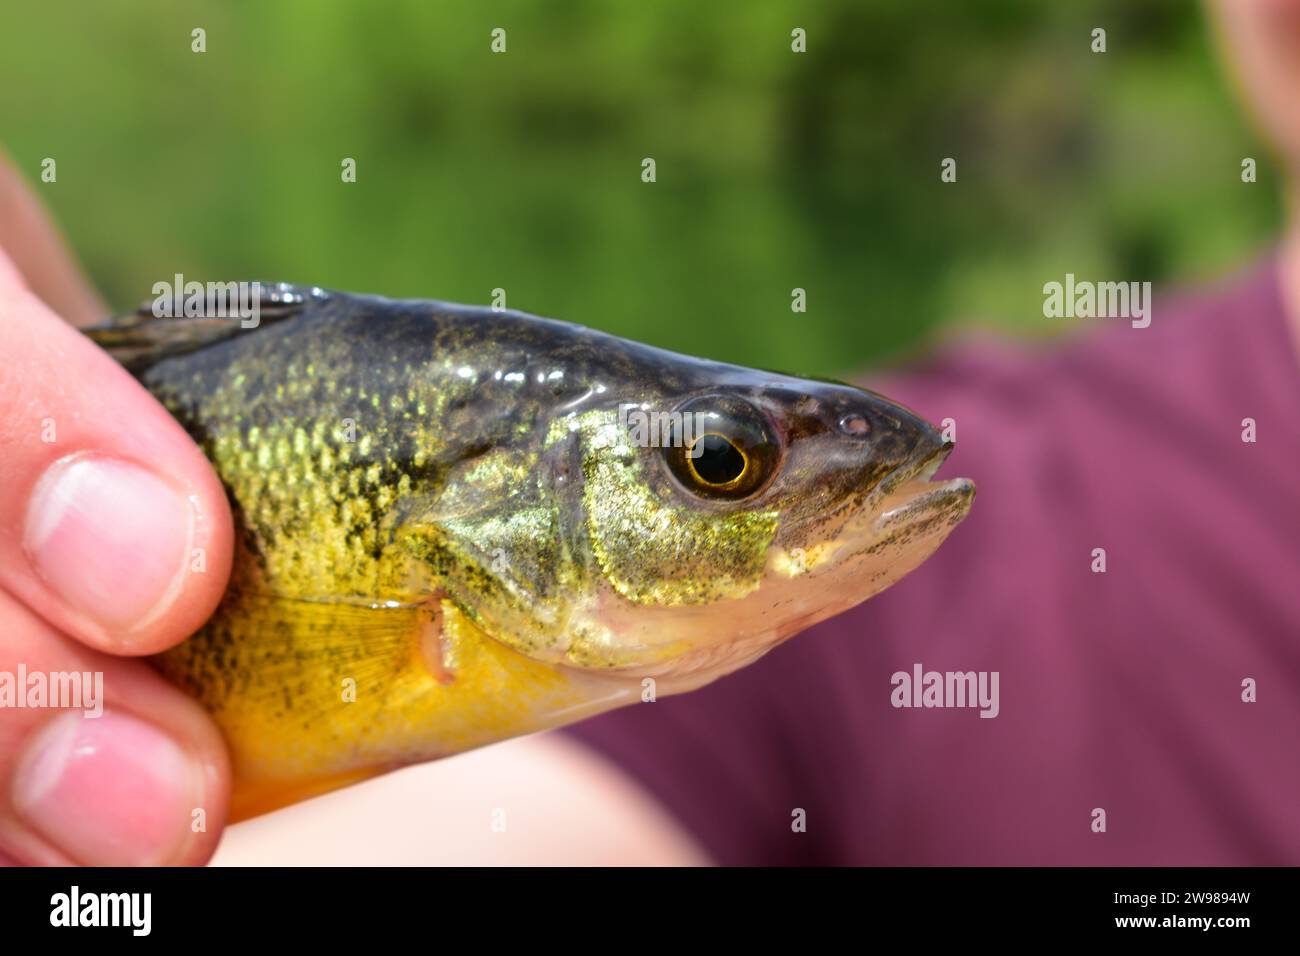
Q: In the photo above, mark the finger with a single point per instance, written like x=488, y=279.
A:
x=146, y=782
x=113, y=526
x=30, y=238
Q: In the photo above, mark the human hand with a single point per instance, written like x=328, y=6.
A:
x=115, y=542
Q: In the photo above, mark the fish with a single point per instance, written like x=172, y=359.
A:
x=459, y=524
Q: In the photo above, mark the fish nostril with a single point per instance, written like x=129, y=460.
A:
x=855, y=425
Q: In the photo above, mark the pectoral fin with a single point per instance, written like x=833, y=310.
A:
x=315, y=695
x=308, y=694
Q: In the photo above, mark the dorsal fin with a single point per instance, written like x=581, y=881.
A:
x=141, y=338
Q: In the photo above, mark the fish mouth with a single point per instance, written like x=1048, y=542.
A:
x=921, y=466
x=909, y=495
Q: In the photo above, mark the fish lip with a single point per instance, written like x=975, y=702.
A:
x=929, y=499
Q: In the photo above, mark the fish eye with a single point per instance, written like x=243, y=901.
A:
x=715, y=461
x=721, y=448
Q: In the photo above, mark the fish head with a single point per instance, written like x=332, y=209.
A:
x=686, y=525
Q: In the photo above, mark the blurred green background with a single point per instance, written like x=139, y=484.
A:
x=523, y=170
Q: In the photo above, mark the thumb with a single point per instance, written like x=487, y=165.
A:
x=113, y=526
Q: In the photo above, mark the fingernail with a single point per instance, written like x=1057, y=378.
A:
x=110, y=538
x=107, y=791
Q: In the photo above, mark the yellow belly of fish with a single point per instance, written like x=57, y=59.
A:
x=312, y=696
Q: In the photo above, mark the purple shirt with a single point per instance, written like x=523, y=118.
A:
x=1119, y=690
